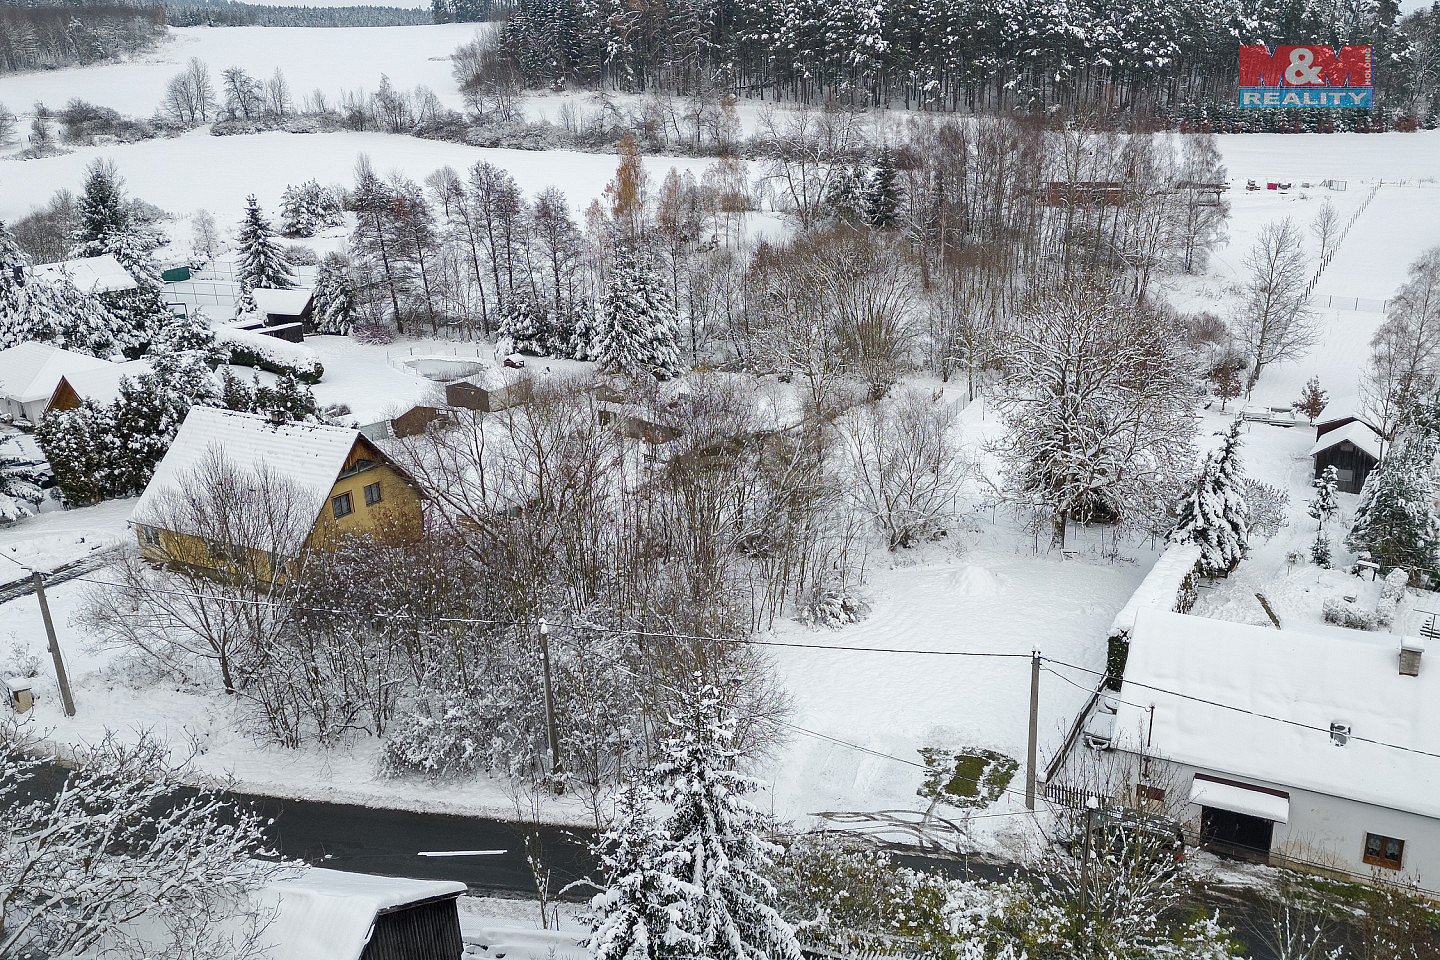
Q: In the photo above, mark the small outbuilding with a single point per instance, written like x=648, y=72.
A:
x=31, y=371
x=100, y=384
x=418, y=419
x=285, y=310
x=1353, y=449
x=488, y=393
x=103, y=274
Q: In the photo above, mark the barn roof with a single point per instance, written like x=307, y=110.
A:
x=103, y=274
x=1258, y=702
x=308, y=457
x=1357, y=432
x=31, y=370
x=328, y=914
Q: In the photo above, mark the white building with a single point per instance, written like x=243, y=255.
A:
x=103, y=274
x=30, y=372
x=1315, y=747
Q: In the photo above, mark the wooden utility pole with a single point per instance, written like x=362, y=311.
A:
x=60, y=674
x=1091, y=804
x=549, y=700
x=1031, y=746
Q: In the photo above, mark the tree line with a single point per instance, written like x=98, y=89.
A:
x=45, y=36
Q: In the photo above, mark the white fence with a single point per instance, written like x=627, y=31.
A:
x=216, y=297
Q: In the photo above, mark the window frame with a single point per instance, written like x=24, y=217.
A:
x=1381, y=859
x=336, y=501
x=379, y=494
x=150, y=536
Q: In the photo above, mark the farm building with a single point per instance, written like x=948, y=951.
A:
x=97, y=275
x=1353, y=449
x=30, y=372
x=1084, y=193
x=488, y=393
x=1315, y=748
x=336, y=482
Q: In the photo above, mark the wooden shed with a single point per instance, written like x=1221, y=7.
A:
x=487, y=395
x=1353, y=449
x=418, y=419
x=332, y=915
x=1084, y=193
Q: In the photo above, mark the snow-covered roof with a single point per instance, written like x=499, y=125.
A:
x=328, y=914
x=102, y=384
x=1310, y=677
x=1358, y=432
x=30, y=371
x=1348, y=407
x=1160, y=587
x=286, y=303
x=103, y=274
x=308, y=457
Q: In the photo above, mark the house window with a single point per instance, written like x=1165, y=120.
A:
x=342, y=506
x=149, y=537
x=1346, y=477
x=1384, y=851
x=372, y=494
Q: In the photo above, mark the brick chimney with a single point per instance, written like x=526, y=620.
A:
x=1411, y=649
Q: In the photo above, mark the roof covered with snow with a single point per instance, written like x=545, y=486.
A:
x=286, y=303
x=1273, y=695
x=1357, y=432
x=31, y=370
x=307, y=457
x=327, y=914
x=103, y=274
x=1161, y=586
x=102, y=384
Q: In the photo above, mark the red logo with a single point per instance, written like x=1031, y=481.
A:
x=1307, y=66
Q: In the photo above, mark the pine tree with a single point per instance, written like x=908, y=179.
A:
x=883, y=194
x=1396, y=523
x=1320, y=550
x=261, y=264
x=713, y=842
x=644, y=912
x=636, y=330
x=334, y=296
x=1214, y=515
x=1325, y=504
x=108, y=226
x=19, y=488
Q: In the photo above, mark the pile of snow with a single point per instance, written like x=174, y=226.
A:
x=251, y=349
x=973, y=581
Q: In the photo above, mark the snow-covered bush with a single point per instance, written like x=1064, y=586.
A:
x=251, y=349
x=1392, y=591
x=373, y=332
x=833, y=608
x=446, y=735
x=308, y=208
x=1268, y=506
x=1343, y=613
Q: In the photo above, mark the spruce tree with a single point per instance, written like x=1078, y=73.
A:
x=1325, y=504
x=19, y=489
x=713, y=842
x=334, y=296
x=529, y=327
x=644, y=912
x=14, y=274
x=883, y=194
x=108, y=226
x=1214, y=515
x=1397, y=524
x=81, y=447
x=260, y=264
x=636, y=331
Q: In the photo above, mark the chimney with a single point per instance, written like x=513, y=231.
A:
x=1411, y=649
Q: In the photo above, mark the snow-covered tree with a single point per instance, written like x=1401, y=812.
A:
x=644, y=912
x=636, y=330
x=712, y=839
x=308, y=208
x=19, y=488
x=1276, y=322
x=334, y=296
x=1312, y=400
x=54, y=313
x=108, y=225
x=260, y=262
x=1325, y=504
x=1214, y=515
x=80, y=446
x=883, y=194
x=1397, y=523
x=123, y=859
x=531, y=328
x=1099, y=404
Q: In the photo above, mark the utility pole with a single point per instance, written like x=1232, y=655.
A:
x=549, y=700
x=1091, y=805
x=60, y=675
x=1030, y=747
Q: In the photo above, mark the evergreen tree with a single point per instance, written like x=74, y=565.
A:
x=334, y=296
x=19, y=487
x=14, y=270
x=530, y=327
x=261, y=264
x=1396, y=523
x=883, y=194
x=308, y=208
x=636, y=330
x=1320, y=550
x=1325, y=504
x=644, y=912
x=847, y=196
x=713, y=842
x=108, y=226
x=53, y=313
x=1214, y=515
x=80, y=445
x=190, y=333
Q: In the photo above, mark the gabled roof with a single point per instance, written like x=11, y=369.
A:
x=283, y=303
x=102, y=384
x=1357, y=432
x=1311, y=677
x=103, y=274
x=328, y=914
x=31, y=370
x=1341, y=409
x=307, y=456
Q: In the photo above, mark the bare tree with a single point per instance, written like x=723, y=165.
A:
x=277, y=96
x=244, y=96
x=1276, y=322
x=904, y=466
x=8, y=122
x=190, y=95
x=205, y=234
x=806, y=153
x=1201, y=212
x=1405, y=351
x=1325, y=228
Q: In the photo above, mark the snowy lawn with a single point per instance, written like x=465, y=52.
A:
x=50, y=539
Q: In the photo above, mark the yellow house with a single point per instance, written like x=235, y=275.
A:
x=242, y=490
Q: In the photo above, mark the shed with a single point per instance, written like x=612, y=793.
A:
x=1084, y=193
x=418, y=419
x=101, y=384
x=488, y=394
x=333, y=915
x=1343, y=412
x=1352, y=449
x=102, y=274
x=295, y=305
x=30, y=373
